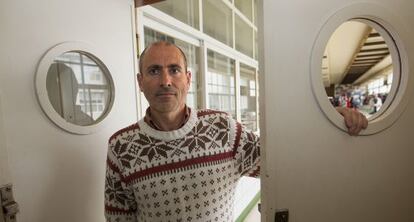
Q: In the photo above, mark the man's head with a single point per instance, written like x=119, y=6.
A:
x=161, y=42
x=163, y=77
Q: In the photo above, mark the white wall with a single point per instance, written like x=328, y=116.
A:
x=59, y=176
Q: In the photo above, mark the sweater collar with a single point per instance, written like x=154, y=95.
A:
x=189, y=124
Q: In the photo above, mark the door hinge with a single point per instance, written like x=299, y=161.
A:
x=282, y=215
x=8, y=206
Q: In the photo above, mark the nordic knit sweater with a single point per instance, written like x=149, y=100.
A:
x=189, y=174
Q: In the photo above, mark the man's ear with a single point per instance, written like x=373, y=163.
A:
x=139, y=80
x=189, y=76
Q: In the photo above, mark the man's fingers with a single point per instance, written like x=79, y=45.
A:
x=353, y=128
x=348, y=118
x=364, y=121
x=354, y=120
x=359, y=122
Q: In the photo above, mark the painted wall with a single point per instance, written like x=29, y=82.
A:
x=59, y=176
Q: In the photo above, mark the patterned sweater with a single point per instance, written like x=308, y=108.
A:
x=189, y=174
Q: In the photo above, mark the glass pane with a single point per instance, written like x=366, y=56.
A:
x=183, y=10
x=217, y=19
x=192, y=54
x=220, y=80
x=78, y=88
x=248, y=97
x=357, y=68
x=256, y=46
x=255, y=12
x=244, y=37
x=245, y=7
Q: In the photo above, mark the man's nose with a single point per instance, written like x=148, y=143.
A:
x=165, y=80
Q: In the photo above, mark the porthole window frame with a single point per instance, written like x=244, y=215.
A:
x=42, y=93
x=392, y=30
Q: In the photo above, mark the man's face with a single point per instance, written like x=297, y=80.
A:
x=164, y=79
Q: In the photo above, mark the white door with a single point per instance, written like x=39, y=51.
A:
x=311, y=167
x=59, y=175
x=4, y=164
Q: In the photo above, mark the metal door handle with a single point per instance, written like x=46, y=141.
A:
x=8, y=206
x=282, y=215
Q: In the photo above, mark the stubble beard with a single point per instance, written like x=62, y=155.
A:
x=172, y=105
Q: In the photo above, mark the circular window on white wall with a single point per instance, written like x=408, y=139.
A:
x=74, y=87
x=358, y=61
x=360, y=68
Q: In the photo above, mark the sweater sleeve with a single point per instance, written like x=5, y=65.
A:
x=247, y=152
x=120, y=204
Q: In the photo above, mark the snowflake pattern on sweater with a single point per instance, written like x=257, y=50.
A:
x=189, y=174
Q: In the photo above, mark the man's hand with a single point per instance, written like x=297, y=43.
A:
x=354, y=120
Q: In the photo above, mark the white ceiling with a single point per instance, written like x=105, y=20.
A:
x=341, y=49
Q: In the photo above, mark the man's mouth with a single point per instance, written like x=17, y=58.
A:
x=165, y=94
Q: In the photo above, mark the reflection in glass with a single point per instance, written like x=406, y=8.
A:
x=78, y=89
x=245, y=7
x=220, y=80
x=192, y=54
x=244, y=37
x=248, y=97
x=184, y=10
x=357, y=68
x=255, y=12
x=217, y=19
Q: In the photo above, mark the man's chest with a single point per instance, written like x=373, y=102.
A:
x=197, y=191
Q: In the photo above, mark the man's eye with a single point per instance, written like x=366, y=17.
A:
x=175, y=70
x=154, y=71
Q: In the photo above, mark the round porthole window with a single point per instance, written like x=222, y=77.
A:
x=75, y=88
x=358, y=69
x=358, y=61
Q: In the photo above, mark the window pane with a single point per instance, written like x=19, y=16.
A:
x=389, y=79
x=248, y=97
x=77, y=85
x=255, y=12
x=245, y=7
x=217, y=19
x=92, y=73
x=361, y=82
x=220, y=80
x=192, y=54
x=256, y=46
x=244, y=37
x=183, y=10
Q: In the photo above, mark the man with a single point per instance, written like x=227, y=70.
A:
x=179, y=164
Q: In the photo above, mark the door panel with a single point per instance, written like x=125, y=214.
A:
x=310, y=166
x=59, y=176
x=4, y=163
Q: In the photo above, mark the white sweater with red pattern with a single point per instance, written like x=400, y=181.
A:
x=189, y=174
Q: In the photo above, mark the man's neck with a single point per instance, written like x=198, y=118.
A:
x=169, y=121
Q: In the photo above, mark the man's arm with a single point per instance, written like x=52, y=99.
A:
x=120, y=204
x=354, y=120
x=247, y=152
x=248, y=144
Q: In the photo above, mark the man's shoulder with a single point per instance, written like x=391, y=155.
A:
x=124, y=130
